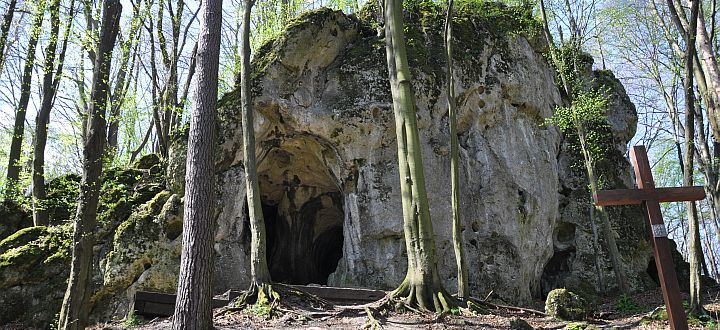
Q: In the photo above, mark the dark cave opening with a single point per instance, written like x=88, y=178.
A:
x=556, y=270
x=305, y=246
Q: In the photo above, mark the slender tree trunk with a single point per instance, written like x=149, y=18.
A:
x=40, y=213
x=13, y=169
x=5, y=30
x=695, y=245
x=461, y=262
x=260, y=275
x=193, y=308
x=75, y=307
x=608, y=232
x=422, y=286
x=118, y=95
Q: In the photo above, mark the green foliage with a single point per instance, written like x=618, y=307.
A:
x=503, y=18
x=703, y=321
x=627, y=304
x=586, y=121
x=658, y=314
x=133, y=320
x=586, y=108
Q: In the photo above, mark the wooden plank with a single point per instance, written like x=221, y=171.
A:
x=663, y=259
x=163, y=304
x=637, y=196
x=342, y=294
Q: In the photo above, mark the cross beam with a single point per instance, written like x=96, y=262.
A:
x=650, y=198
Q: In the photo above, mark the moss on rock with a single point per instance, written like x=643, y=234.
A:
x=563, y=304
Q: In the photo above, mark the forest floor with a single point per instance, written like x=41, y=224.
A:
x=611, y=313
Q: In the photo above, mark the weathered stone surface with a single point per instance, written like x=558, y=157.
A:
x=565, y=305
x=325, y=126
x=329, y=179
x=33, y=269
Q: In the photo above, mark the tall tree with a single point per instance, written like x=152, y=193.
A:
x=13, y=169
x=75, y=307
x=695, y=246
x=193, y=308
x=5, y=30
x=51, y=81
x=462, y=271
x=122, y=83
x=422, y=286
x=259, y=274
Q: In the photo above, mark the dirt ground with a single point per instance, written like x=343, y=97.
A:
x=298, y=315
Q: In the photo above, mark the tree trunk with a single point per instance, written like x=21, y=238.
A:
x=608, y=232
x=118, y=95
x=259, y=272
x=13, y=169
x=462, y=271
x=193, y=308
x=422, y=285
x=5, y=29
x=40, y=213
x=75, y=307
x=695, y=245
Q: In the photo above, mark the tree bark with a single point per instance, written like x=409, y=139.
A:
x=259, y=272
x=118, y=95
x=421, y=286
x=193, y=308
x=461, y=262
x=608, y=232
x=5, y=30
x=695, y=245
x=75, y=307
x=40, y=213
x=13, y=169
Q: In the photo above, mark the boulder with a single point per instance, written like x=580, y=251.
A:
x=562, y=304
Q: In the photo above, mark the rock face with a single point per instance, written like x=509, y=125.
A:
x=329, y=179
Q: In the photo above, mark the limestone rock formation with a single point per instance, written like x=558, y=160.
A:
x=329, y=179
x=328, y=173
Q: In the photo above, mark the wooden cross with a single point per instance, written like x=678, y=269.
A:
x=650, y=198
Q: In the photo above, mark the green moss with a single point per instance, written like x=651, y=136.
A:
x=62, y=196
x=563, y=304
x=22, y=237
x=140, y=226
x=30, y=248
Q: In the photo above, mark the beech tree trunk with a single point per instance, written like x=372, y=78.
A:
x=259, y=272
x=51, y=80
x=75, y=307
x=13, y=169
x=462, y=271
x=695, y=245
x=193, y=308
x=422, y=286
x=5, y=30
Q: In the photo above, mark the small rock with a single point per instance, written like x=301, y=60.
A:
x=517, y=323
x=563, y=304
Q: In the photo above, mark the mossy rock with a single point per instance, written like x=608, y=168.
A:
x=147, y=162
x=562, y=304
x=62, y=197
x=13, y=217
x=33, y=254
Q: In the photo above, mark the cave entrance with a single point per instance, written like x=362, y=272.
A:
x=303, y=210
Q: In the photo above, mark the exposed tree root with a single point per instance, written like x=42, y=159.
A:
x=512, y=308
x=273, y=300
x=372, y=323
